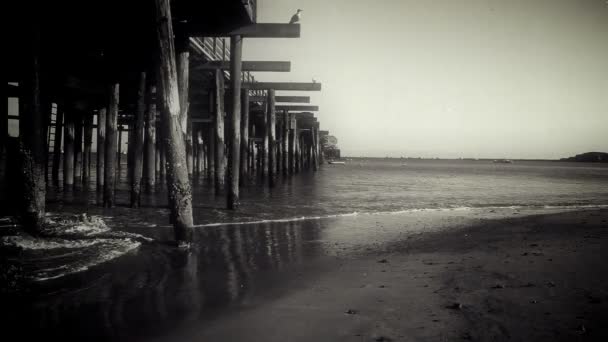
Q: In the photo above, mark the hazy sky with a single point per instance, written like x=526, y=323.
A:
x=450, y=78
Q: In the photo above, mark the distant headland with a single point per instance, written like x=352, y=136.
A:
x=589, y=157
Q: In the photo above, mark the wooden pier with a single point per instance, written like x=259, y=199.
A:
x=171, y=75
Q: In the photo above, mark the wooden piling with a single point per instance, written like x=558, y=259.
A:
x=234, y=130
x=119, y=151
x=219, y=132
x=292, y=143
x=285, y=141
x=86, y=155
x=183, y=79
x=78, y=148
x=32, y=150
x=149, y=175
x=57, y=144
x=244, y=165
x=138, y=142
x=111, y=146
x=211, y=153
x=101, y=146
x=180, y=193
x=271, y=131
x=264, y=153
x=68, y=150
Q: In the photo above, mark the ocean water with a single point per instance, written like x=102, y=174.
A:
x=113, y=275
x=377, y=185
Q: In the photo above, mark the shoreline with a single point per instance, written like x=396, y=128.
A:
x=487, y=277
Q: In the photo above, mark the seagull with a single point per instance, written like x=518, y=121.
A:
x=296, y=17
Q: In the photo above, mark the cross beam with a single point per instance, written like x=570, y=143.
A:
x=265, y=66
x=297, y=108
x=260, y=30
x=297, y=86
x=289, y=99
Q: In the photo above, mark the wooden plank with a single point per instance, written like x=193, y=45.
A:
x=259, y=30
x=287, y=99
x=260, y=66
x=293, y=86
x=297, y=108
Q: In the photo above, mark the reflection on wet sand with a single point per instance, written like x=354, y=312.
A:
x=157, y=288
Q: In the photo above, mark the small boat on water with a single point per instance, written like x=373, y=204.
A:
x=503, y=161
x=335, y=162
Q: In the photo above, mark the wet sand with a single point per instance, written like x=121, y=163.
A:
x=536, y=278
x=486, y=275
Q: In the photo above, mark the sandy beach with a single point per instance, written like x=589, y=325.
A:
x=486, y=275
x=536, y=278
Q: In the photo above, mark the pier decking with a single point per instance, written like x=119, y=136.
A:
x=166, y=79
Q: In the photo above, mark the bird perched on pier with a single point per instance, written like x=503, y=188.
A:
x=296, y=17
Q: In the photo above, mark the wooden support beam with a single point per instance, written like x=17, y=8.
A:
x=31, y=128
x=56, y=144
x=285, y=142
x=234, y=130
x=111, y=146
x=138, y=142
x=288, y=99
x=180, y=193
x=211, y=153
x=86, y=155
x=78, y=148
x=183, y=78
x=293, y=129
x=297, y=108
x=101, y=146
x=219, y=132
x=149, y=175
x=259, y=66
x=259, y=30
x=293, y=86
x=244, y=165
x=68, y=151
x=271, y=132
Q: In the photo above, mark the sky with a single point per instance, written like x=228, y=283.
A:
x=449, y=78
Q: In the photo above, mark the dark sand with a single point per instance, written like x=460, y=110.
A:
x=481, y=276
x=534, y=278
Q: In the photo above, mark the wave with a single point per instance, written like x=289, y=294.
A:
x=72, y=244
x=406, y=211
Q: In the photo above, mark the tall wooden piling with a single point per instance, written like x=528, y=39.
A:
x=285, y=142
x=211, y=153
x=68, y=150
x=111, y=146
x=138, y=142
x=271, y=131
x=119, y=150
x=219, y=132
x=101, y=147
x=149, y=175
x=31, y=128
x=234, y=131
x=244, y=165
x=86, y=155
x=183, y=79
x=292, y=143
x=78, y=148
x=180, y=193
x=264, y=153
x=57, y=143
